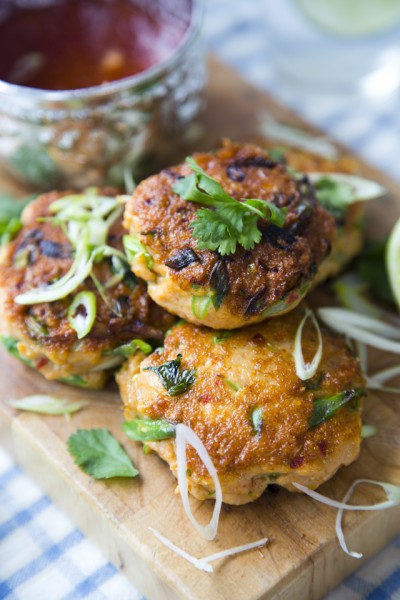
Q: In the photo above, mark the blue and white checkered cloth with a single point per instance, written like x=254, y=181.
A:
x=42, y=555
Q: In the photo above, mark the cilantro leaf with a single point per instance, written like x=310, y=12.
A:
x=326, y=408
x=99, y=454
x=174, y=380
x=232, y=222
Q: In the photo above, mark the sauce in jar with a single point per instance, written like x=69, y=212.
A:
x=71, y=44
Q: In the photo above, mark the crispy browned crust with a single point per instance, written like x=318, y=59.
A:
x=349, y=239
x=285, y=258
x=259, y=361
x=49, y=257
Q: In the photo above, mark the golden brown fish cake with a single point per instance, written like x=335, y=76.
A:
x=241, y=288
x=348, y=241
x=40, y=334
x=253, y=369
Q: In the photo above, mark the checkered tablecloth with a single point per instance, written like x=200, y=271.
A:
x=42, y=555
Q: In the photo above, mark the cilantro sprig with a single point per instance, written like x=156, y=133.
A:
x=100, y=455
x=232, y=222
x=175, y=380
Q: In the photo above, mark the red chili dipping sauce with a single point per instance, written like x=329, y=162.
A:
x=70, y=44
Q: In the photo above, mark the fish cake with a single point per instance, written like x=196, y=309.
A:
x=40, y=334
x=227, y=292
x=349, y=222
x=257, y=419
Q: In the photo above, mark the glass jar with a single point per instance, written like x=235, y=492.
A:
x=98, y=135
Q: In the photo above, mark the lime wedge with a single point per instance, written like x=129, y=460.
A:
x=393, y=261
x=352, y=18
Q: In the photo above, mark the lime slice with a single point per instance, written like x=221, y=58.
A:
x=393, y=261
x=352, y=18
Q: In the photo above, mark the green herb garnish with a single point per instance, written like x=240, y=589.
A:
x=131, y=348
x=256, y=419
x=76, y=380
x=371, y=269
x=233, y=222
x=325, y=408
x=47, y=405
x=174, y=380
x=337, y=191
x=11, y=345
x=149, y=430
x=232, y=385
x=82, y=313
x=10, y=212
x=200, y=306
x=334, y=196
x=222, y=335
x=99, y=454
x=134, y=249
x=277, y=153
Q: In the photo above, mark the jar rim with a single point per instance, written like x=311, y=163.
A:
x=105, y=89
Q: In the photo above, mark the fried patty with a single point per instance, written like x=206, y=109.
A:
x=252, y=370
x=245, y=287
x=348, y=241
x=41, y=334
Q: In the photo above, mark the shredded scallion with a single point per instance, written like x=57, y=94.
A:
x=82, y=313
x=306, y=370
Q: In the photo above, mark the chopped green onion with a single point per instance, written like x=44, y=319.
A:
x=76, y=380
x=9, y=230
x=277, y=154
x=306, y=370
x=349, y=291
x=80, y=269
x=368, y=431
x=222, y=335
x=232, y=385
x=129, y=181
x=47, y=405
x=393, y=499
x=185, y=435
x=203, y=563
x=149, y=430
x=11, y=345
x=326, y=408
x=257, y=419
x=131, y=348
x=82, y=313
x=135, y=249
x=294, y=136
x=376, y=381
x=35, y=328
x=339, y=190
x=362, y=328
x=200, y=306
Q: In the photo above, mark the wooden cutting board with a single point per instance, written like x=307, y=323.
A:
x=303, y=558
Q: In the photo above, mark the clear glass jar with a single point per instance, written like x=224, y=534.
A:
x=92, y=136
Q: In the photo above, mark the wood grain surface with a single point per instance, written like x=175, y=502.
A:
x=303, y=559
